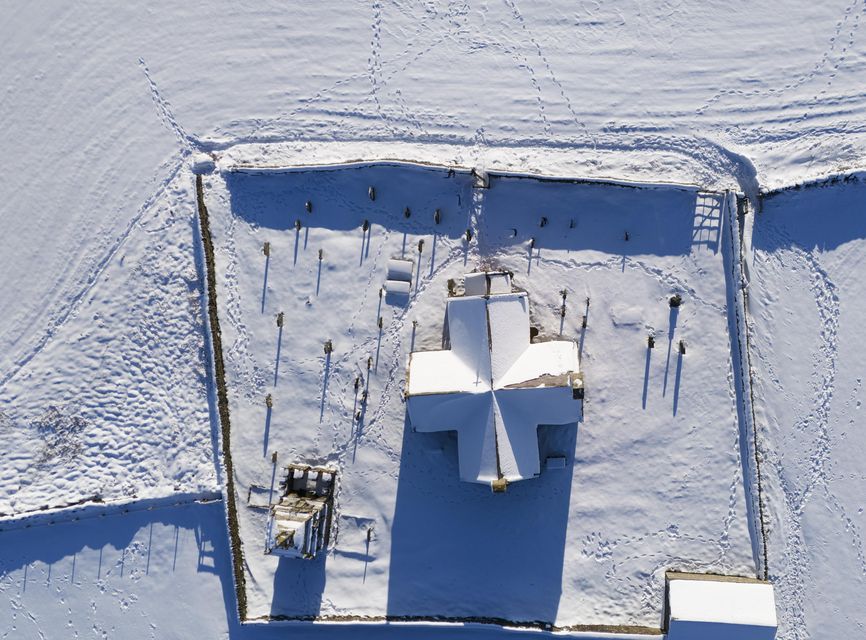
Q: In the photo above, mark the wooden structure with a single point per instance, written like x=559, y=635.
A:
x=299, y=522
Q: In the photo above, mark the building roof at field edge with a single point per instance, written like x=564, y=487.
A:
x=493, y=386
x=709, y=606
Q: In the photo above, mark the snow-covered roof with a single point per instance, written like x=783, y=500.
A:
x=399, y=270
x=493, y=386
x=484, y=283
x=716, y=606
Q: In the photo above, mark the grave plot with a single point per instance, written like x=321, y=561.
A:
x=649, y=480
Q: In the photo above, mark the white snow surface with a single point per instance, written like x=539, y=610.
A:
x=114, y=405
x=115, y=99
x=807, y=301
x=159, y=572
x=491, y=385
x=722, y=602
x=594, y=541
x=99, y=337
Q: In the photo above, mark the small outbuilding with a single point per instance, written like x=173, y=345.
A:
x=712, y=607
x=299, y=523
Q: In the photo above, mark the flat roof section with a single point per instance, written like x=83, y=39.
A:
x=706, y=606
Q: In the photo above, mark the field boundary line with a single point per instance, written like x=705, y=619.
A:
x=217, y=372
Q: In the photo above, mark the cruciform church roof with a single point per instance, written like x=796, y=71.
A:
x=493, y=386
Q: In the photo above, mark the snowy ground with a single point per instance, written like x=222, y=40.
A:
x=100, y=109
x=158, y=573
x=114, y=404
x=588, y=545
x=625, y=89
x=807, y=304
x=112, y=575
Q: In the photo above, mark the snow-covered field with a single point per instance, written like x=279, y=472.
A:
x=100, y=335
x=102, y=388
x=114, y=404
x=807, y=304
x=141, y=574
x=159, y=573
